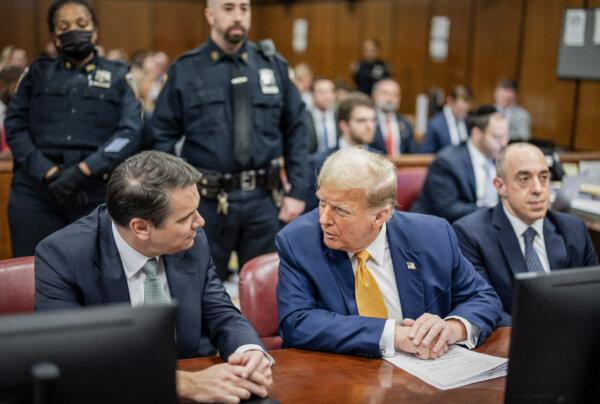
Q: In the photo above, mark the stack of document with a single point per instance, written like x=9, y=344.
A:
x=457, y=367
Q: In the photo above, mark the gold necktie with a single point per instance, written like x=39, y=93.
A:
x=367, y=294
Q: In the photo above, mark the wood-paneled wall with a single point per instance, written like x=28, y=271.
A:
x=489, y=40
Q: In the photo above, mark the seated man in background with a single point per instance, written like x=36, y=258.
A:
x=520, y=234
x=145, y=247
x=322, y=133
x=460, y=179
x=358, y=277
x=519, y=120
x=449, y=126
x=394, y=133
x=356, y=124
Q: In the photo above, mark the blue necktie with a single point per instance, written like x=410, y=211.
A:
x=532, y=261
x=324, y=133
x=153, y=291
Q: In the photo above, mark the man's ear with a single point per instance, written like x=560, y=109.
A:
x=383, y=215
x=209, y=14
x=500, y=186
x=140, y=228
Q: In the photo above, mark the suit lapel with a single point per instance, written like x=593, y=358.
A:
x=408, y=281
x=341, y=268
x=508, y=241
x=470, y=174
x=555, y=246
x=110, y=276
x=184, y=287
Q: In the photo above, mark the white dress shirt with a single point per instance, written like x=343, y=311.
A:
x=133, y=262
x=483, y=180
x=538, y=242
x=381, y=267
x=458, y=130
x=326, y=118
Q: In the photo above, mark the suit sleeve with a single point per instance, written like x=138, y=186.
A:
x=222, y=322
x=473, y=253
x=303, y=324
x=166, y=124
x=428, y=143
x=128, y=127
x=591, y=258
x=472, y=297
x=441, y=187
x=294, y=128
x=18, y=137
x=55, y=285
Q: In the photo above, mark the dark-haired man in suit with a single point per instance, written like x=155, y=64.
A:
x=146, y=246
x=520, y=234
x=460, y=179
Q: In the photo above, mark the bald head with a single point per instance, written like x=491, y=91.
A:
x=516, y=152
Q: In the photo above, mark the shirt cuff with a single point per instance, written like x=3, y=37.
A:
x=386, y=343
x=253, y=347
x=472, y=332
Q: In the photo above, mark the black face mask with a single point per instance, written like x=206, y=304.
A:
x=76, y=44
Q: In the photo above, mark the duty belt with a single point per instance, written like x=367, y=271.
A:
x=212, y=183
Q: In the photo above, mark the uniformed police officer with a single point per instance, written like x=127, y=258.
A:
x=240, y=113
x=71, y=121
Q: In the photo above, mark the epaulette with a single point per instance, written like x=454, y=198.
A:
x=191, y=52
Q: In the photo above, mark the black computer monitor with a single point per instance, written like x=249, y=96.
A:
x=555, y=339
x=107, y=354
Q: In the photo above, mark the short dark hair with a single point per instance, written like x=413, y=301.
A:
x=480, y=118
x=508, y=85
x=57, y=5
x=320, y=78
x=139, y=187
x=461, y=92
x=355, y=99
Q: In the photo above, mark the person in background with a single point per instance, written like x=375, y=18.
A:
x=394, y=133
x=303, y=79
x=460, y=179
x=9, y=77
x=118, y=55
x=322, y=132
x=520, y=234
x=358, y=277
x=12, y=56
x=519, y=120
x=449, y=126
x=72, y=120
x=370, y=68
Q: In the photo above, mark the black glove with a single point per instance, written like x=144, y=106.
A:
x=64, y=184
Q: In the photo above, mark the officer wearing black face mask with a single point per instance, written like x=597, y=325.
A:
x=72, y=120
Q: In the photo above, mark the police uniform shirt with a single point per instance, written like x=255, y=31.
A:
x=63, y=114
x=197, y=101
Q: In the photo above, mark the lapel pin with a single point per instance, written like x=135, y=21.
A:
x=411, y=265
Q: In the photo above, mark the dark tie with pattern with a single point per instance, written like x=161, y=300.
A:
x=532, y=261
x=242, y=140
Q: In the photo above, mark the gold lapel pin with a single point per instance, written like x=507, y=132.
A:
x=411, y=265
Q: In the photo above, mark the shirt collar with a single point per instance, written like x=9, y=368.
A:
x=86, y=68
x=132, y=260
x=377, y=248
x=478, y=158
x=520, y=226
x=217, y=55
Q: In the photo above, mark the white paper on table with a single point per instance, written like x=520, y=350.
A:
x=457, y=367
x=574, y=34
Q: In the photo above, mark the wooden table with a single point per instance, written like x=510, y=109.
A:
x=301, y=376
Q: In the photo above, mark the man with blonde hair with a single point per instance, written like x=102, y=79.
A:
x=358, y=277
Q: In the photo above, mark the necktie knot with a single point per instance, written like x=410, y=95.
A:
x=149, y=269
x=529, y=235
x=362, y=257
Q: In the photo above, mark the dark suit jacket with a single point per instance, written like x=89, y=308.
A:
x=437, y=135
x=315, y=293
x=80, y=266
x=312, y=138
x=488, y=240
x=449, y=190
x=407, y=138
